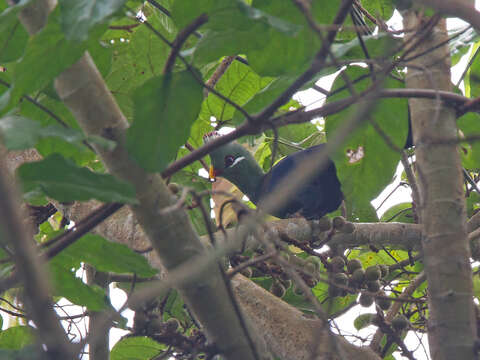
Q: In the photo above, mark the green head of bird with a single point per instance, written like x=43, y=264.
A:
x=234, y=163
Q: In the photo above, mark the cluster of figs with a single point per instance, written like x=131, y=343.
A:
x=355, y=278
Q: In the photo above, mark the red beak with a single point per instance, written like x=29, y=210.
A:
x=212, y=174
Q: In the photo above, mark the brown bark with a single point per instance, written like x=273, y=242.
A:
x=451, y=322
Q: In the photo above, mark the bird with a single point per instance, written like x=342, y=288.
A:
x=317, y=197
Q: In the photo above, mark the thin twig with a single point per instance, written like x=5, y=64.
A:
x=182, y=36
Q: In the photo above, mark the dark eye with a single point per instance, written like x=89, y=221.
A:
x=229, y=160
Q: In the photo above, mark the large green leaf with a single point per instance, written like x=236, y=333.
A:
x=47, y=54
x=363, y=320
x=275, y=36
x=136, y=348
x=78, y=17
x=469, y=125
x=239, y=84
x=46, y=146
x=461, y=41
x=64, y=181
x=332, y=305
x=29, y=352
x=138, y=55
x=165, y=108
x=105, y=256
x=378, y=46
x=228, y=14
x=189, y=177
x=16, y=337
x=399, y=213
x=382, y=8
x=365, y=162
x=472, y=79
x=9, y=14
x=102, y=56
x=175, y=308
x=264, y=97
x=294, y=136
x=13, y=41
x=21, y=133
x=67, y=285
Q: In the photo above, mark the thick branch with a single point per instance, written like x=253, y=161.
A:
x=452, y=329
x=288, y=333
x=31, y=271
x=83, y=91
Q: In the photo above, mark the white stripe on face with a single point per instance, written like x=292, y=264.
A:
x=237, y=160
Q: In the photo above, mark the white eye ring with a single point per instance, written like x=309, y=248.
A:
x=237, y=160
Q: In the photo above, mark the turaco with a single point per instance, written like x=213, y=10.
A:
x=313, y=200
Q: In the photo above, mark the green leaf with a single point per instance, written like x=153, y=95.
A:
x=239, y=83
x=473, y=203
x=102, y=56
x=293, y=136
x=264, y=97
x=332, y=306
x=365, y=162
x=16, y=337
x=274, y=35
x=189, y=177
x=263, y=156
x=174, y=308
x=105, y=256
x=472, y=79
x=47, y=54
x=399, y=213
x=138, y=55
x=363, y=320
x=78, y=17
x=29, y=352
x=12, y=43
x=228, y=14
x=461, y=41
x=136, y=348
x=67, y=285
x=21, y=133
x=378, y=46
x=469, y=125
x=9, y=15
x=46, y=146
x=382, y=8
x=64, y=181
x=163, y=118
x=370, y=258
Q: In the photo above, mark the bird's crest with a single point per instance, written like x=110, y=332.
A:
x=212, y=135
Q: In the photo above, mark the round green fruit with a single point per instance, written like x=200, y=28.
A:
x=348, y=228
x=340, y=279
x=373, y=273
x=358, y=276
x=365, y=299
x=171, y=325
x=337, y=263
x=353, y=264
x=277, y=289
x=338, y=222
x=383, y=303
x=373, y=286
x=247, y=272
x=400, y=322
